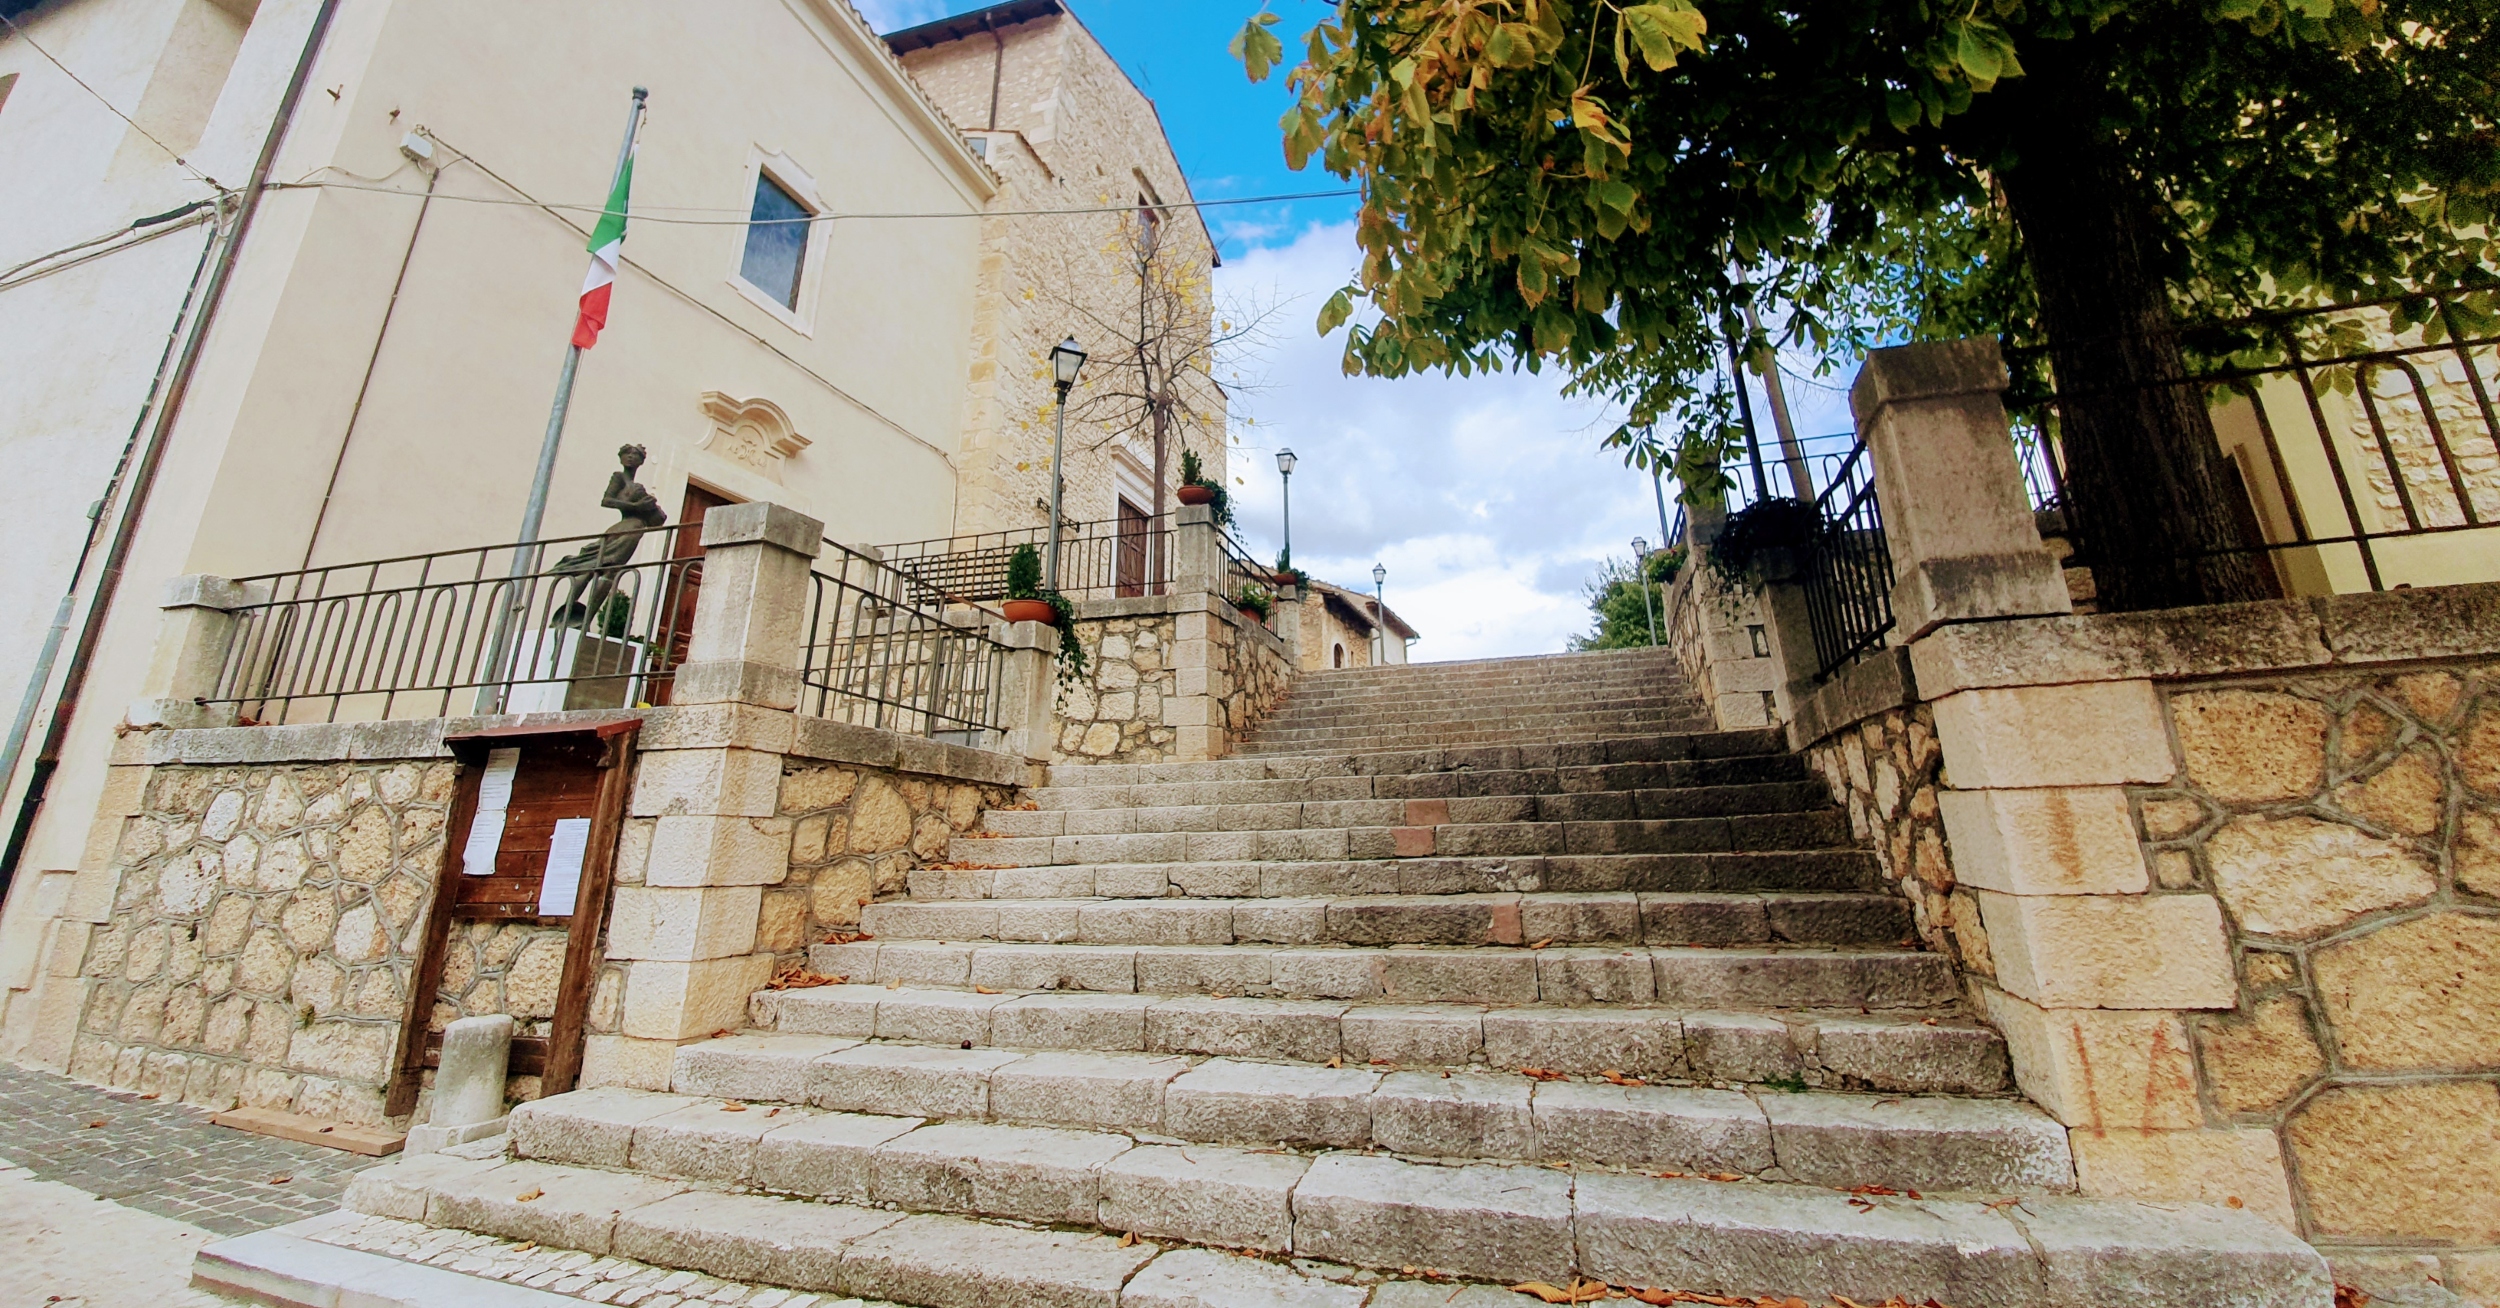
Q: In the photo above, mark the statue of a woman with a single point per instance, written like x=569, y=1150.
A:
x=594, y=566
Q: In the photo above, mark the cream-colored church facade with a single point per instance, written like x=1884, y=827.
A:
x=376, y=379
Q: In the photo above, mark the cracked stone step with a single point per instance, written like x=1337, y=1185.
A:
x=1690, y=802
x=1692, y=977
x=1652, y=749
x=1743, y=872
x=1284, y=832
x=1493, y=1221
x=1041, y=1151
x=1464, y=918
x=1893, y=1053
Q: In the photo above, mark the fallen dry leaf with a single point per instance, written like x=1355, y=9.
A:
x=1542, y=943
x=849, y=937
x=1128, y=1239
x=281, y=1179
x=983, y=990
x=1883, y=1190
x=147, y=1096
x=1338, y=1061
x=1725, y=1176
x=1580, y=1291
x=1542, y=1074
x=94, y=1124
x=1927, y=1021
x=733, y=1106
x=799, y=976
x=2232, y=1201
x=530, y=1195
x=1619, y=1078
x=2349, y=1297
x=1668, y=1176
x=525, y=1246
x=895, y=984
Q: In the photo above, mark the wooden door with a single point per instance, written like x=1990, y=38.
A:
x=685, y=543
x=1129, y=575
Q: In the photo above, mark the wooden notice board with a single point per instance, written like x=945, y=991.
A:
x=550, y=781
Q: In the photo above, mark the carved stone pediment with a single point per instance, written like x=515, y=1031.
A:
x=754, y=434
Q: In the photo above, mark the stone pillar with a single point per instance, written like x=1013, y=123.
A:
x=1288, y=621
x=1202, y=677
x=1197, y=556
x=191, y=649
x=1721, y=636
x=705, y=837
x=1956, y=516
x=1028, y=689
x=467, y=1103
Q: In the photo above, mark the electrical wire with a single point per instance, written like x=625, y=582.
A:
x=139, y=224
x=652, y=214
x=176, y=155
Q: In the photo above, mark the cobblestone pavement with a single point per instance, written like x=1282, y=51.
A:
x=164, y=1158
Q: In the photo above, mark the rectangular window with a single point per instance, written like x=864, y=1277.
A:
x=776, y=242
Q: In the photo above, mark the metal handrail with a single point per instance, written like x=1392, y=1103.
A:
x=1848, y=572
x=1112, y=557
x=875, y=655
x=405, y=636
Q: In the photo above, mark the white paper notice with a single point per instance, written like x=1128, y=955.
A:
x=494, y=795
x=564, y=867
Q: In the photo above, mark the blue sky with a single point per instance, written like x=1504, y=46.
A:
x=1487, y=498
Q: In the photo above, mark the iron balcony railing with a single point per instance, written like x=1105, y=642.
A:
x=880, y=652
x=500, y=628
x=1114, y=557
x=1847, y=574
x=2363, y=439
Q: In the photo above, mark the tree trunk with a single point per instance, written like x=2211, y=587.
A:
x=2147, y=488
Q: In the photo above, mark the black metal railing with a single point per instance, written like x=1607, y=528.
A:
x=2359, y=434
x=1847, y=575
x=1114, y=557
x=560, y=624
x=879, y=653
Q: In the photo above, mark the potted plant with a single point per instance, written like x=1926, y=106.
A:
x=1198, y=488
x=1254, y=599
x=1029, y=601
x=1024, y=587
x=1767, y=542
x=1291, y=582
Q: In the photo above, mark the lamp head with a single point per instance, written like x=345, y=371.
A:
x=1285, y=462
x=1065, y=360
x=1640, y=547
x=1380, y=574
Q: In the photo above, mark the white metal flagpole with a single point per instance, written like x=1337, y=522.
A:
x=525, y=556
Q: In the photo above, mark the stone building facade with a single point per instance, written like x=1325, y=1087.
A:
x=1063, y=128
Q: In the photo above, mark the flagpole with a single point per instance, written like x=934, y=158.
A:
x=525, y=555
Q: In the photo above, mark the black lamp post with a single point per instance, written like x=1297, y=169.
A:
x=1284, y=465
x=1065, y=360
x=1380, y=624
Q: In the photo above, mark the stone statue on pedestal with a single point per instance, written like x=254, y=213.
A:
x=594, y=567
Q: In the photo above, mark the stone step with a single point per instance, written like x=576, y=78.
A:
x=1668, y=747
x=1606, y=806
x=1894, y=1052
x=1294, y=719
x=1335, y=830
x=1500, y=1223
x=1603, y=692
x=1078, y=791
x=1335, y=739
x=1439, y=919
x=1750, y=978
x=1058, y=1117
x=1736, y=873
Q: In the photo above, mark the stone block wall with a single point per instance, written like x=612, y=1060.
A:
x=858, y=835
x=1169, y=678
x=2350, y=826
x=1721, y=643
x=262, y=935
x=1888, y=770
x=1116, y=715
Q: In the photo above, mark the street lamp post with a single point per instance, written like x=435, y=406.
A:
x=1380, y=616
x=1640, y=574
x=1065, y=360
x=1284, y=465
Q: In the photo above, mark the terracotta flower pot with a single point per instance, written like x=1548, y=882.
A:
x=1030, y=611
x=1197, y=494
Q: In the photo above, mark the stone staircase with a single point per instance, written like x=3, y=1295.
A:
x=1502, y=971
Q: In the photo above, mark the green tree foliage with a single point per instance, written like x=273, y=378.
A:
x=1602, y=185
x=1615, y=601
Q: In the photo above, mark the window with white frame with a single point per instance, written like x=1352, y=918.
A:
x=776, y=251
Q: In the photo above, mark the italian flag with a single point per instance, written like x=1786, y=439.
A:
x=607, y=250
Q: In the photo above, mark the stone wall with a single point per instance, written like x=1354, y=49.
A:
x=1168, y=678
x=1721, y=642
x=1116, y=715
x=860, y=834
x=262, y=936
x=2350, y=825
x=1887, y=771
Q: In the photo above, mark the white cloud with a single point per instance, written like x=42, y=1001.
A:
x=1488, y=498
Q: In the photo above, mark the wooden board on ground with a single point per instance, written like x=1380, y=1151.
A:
x=371, y=1141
